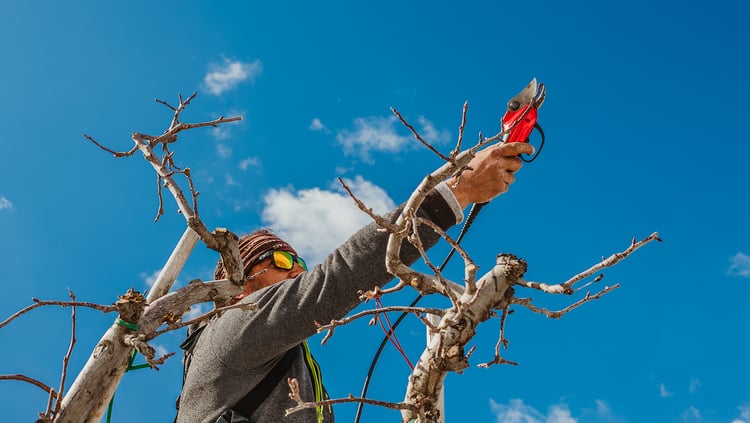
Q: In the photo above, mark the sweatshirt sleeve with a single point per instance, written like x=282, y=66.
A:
x=287, y=311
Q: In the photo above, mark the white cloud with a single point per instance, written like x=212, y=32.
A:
x=316, y=221
x=691, y=415
x=518, y=412
x=515, y=412
x=740, y=265
x=744, y=414
x=221, y=132
x=225, y=77
x=663, y=391
x=224, y=131
x=376, y=133
x=5, y=203
x=694, y=385
x=160, y=350
x=231, y=181
x=317, y=125
x=560, y=414
x=150, y=279
x=248, y=162
x=196, y=310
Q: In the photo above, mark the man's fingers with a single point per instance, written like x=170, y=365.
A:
x=513, y=149
x=511, y=164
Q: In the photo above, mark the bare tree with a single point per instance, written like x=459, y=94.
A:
x=141, y=319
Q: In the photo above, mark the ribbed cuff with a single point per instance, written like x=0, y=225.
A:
x=451, y=199
x=437, y=204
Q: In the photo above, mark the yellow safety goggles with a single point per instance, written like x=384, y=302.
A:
x=282, y=259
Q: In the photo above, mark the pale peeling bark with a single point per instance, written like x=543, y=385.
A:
x=90, y=393
x=445, y=351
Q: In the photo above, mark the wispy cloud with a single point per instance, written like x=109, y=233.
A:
x=515, y=411
x=377, y=133
x=317, y=125
x=227, y=76
x=316, y=221
x=150, y=278
x=196, y=310
x=223, y=151
x=694, y=385
x=744, y=414
x=5, y=203
x=160, y=350
x=518, y=412
x=663, y=392
x=248, y=162
x=740, y=265
x=692, y=415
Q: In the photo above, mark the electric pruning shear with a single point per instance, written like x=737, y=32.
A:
x=521, y=115
x=519, y=120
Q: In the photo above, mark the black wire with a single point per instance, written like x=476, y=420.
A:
x=473, y=212
x=538, y=128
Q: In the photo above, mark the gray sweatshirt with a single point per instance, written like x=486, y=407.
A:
x=237, y=350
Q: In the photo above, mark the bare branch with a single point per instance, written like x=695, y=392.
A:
x=30, y=380
x=114, y=153
x=461, y=127
x=501, y=342
x=335, y=323
x=567, y=286
x=470, y=269
x=362, y=206
x=39, y=303
x=611, y=260
x=66, y=359
x=419, y=137
x=180, y=324
x=526, y=302
x=302, y=405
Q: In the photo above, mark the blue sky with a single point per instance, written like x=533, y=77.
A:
x=645, y=121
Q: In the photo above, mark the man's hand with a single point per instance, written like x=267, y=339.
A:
x=490, y=173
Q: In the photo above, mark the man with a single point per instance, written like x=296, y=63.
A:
x=241, y=361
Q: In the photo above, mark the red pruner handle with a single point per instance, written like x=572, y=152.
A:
x=521, y=121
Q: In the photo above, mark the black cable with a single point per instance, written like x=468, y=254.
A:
x=473, y=212
x=541, y=145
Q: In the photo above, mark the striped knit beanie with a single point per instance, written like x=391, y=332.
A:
x=252, y=246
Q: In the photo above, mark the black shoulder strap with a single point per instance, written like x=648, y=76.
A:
x=250, y=402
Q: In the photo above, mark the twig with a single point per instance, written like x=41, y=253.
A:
x=362, y=206
x=39, y=303
x=117, y=154
x=205, y=316
x=30, y=380
x=526, y=302
x=416, y=241
x=419, y=137
x=461, y=127
x=66, y=359
x=335, y=323
x=302, y=405
x=502, y=342
x=470, y=269
x=567, y=286
x=611, y=260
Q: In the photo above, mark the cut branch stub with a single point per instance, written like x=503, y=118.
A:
x=131, y=306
